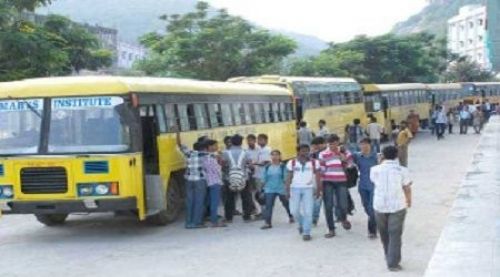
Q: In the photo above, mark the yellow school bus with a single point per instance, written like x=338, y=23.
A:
x=479, y=92
x=448, y=95
x=338, y=101
x=393, y=102
x=104, y=144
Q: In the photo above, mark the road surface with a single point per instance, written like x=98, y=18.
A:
x=105, y=245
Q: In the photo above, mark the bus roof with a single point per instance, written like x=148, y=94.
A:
x=277, y=79
x=444, y=86
x=108, y=85
x=393, y=87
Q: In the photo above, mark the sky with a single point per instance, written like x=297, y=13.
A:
x=330, y=20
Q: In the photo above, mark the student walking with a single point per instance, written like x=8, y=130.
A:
x=402, y=142
x=354, y=135
x=317, y=146
x=365, y=161
x=477, y=118
x=214, y=182
x=196, y=184
x=441, y=122
x=465, y=116
x=302, y=173
x=273, y=177
x=334, y=160
x=392, y=196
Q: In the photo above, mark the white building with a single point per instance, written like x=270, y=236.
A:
x=128, y=54
x=467, y=34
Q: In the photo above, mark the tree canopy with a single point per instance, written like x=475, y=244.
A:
x=213, y=47
x=55, y=47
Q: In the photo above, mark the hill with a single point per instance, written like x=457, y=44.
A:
x=433, y=18
x=133, y=18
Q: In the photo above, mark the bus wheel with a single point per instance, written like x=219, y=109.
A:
x=51, y=219
x=174, y=205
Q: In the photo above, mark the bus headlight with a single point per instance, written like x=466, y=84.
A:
x=6, y=192
x=102, y=189
x=97, y=189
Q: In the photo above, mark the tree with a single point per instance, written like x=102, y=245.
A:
x=213, y=47
x=383, y=59
x=465, y=70
x=56, y=47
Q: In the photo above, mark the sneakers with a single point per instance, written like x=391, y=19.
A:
x=372, y=235
x=346, y=224
x=395, y=268
x=266, y=226
x=218, y=225
x=306, y=237
x=330, y=234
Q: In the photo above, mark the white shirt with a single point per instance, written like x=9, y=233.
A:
x=389, y=179
x=441, y=117
x=264, y=155
x=303, y=175
x=374, y=130
x=323, y=132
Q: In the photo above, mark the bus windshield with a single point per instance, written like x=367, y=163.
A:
x=20, y=126
x=86, y=125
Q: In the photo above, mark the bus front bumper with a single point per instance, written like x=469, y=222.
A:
x=68, y=206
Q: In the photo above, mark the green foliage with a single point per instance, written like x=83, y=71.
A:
x=213, y=48
x=57, y=47
x=465, y=70
x=383, y=59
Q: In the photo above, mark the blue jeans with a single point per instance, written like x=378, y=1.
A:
x=376, y=145
x=195, y=202
x=317, y=209
x=270, y=199
x=340, y=192
x=367, y=200
x=301, y=207
x=214, y=191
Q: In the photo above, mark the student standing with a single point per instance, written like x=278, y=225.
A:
x=323, y=131
x=273, y=177
x=236, y=157
x=402, y=142
x=317, y=146
x=196, y=184
x=333, y=162
x=253, y=178
x=354, y=135
x=302, y=173
x=304, y=134
x=392, y=196
x=374, y=131
x=441, y=122
x=465, y=116
x=214, y=182
x=365, y=161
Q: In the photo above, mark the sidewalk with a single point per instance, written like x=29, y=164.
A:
x=470, y=242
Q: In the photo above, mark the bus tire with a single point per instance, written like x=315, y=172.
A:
x=174, y=205
x=51, y=219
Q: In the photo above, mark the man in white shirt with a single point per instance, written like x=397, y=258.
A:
x=392, y=196
x=323, y=131
x=303, y=175
x=374, y=131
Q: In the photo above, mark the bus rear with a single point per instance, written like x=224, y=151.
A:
x=66, y=155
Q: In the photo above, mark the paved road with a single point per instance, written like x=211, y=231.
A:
x=102, y=245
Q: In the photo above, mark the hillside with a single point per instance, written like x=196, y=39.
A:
x=433, y=18
x=133, y=18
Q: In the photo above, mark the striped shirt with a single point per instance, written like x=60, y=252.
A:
x=194, y=168
x=213, y=171
x=332, y=167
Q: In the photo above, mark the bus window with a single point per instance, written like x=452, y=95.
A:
x=325, y=99
x=270, y=111
x=215, y=115
x=276, y=112
x=265, y=112
x=238, y=115
x=357, y=96
x=257, y=113
x=247, y=114
x=201, y=117
x=369, y=103
x=336, y=98
x=171, y=115
x=284, y=114
x=227, y=116
x=347, y=98
x=191, y=117
x=289, y=111
x=160, y=118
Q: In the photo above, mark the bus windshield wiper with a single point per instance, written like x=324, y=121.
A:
x=32, y=109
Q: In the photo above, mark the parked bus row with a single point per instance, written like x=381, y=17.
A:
x=106, y=144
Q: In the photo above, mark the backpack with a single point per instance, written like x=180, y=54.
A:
x=354, y=133
x=237, y=175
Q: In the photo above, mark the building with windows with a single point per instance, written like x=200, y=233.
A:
x=467, y=34
x=128, y=54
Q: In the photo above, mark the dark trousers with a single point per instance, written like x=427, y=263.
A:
x=230, y=198
x=464, y=125
x=195, y=202
x=450, y=128
x=441, y=127
x=270, y=199
x=367, y=200
x=390, y=227
x=339, y=191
